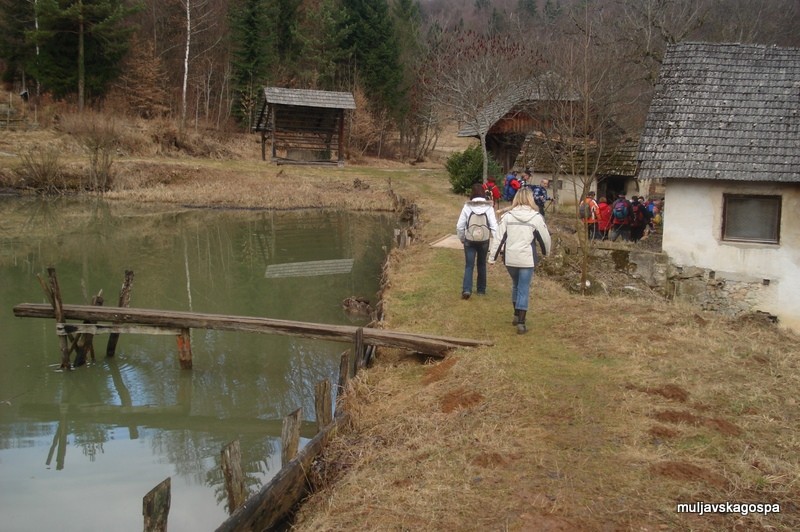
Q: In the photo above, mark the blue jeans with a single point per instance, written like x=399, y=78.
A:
x=521, y=279
x=473, y=250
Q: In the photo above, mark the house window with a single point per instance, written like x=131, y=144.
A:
x=751, y=218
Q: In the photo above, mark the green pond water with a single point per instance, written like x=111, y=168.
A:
x=79, y=449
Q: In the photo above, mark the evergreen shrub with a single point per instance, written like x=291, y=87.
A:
x=465, y=168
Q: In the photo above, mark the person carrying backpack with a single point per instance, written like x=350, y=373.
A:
x=640, y=218
x=511, y=186
x=476, y=224
x=588, y=212
x=621, y=219
x=492, y=192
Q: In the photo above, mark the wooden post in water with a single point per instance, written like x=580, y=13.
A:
x=155, y=507
x=344, y=377
x=322, y=404
x=55, y=300
x=124, y=301
x=290, y=436
x=83, y=342
x=185, y=349
x=234, y=478
x=358, y=349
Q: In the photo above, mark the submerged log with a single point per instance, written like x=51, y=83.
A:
x=422, y=343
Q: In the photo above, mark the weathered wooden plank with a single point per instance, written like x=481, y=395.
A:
x=322, y=403
x=155, y=507
x=290, y=436
x=264, y=509
x=234, y=478
x=423, y=343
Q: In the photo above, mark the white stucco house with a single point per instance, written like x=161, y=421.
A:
x=723, y=132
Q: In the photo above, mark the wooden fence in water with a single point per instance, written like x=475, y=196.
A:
x=273, y=502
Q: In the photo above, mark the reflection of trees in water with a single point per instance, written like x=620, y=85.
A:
x=238, y=378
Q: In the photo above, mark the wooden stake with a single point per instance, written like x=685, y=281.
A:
x=290, y=436
x=358, y=349
x=322, y=403
x=155, y=507
x=185, y=349
x=124, y=301
x=55, y=292
x=344, y=376
x=234, y=478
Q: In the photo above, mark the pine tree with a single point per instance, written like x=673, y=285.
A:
x=372, y=46
x=253, y=37
x=81, y=43
x=16, y=17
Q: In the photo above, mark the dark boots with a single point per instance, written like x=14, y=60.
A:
x=515, y=319
x=521, y=328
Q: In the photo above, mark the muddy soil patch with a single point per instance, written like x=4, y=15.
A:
x=720, y=425
x=439, y=371
x=689, y=472
x=460, y=398
x=672, y=392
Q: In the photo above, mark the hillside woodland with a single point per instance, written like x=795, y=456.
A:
x=200, y=64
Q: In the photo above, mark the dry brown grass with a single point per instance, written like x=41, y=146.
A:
x=605, y=416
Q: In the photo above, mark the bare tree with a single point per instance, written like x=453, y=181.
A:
x=468, y=73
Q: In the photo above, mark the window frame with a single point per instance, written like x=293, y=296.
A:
x=726, y=197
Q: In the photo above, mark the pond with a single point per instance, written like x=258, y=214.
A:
x=79, y=449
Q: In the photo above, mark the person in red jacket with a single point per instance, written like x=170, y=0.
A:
x=603, y=219
x=490, y=187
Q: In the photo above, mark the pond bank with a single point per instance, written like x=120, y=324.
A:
x=607, y=413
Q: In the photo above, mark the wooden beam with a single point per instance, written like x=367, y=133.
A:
x=423, y=343
x=124, y=301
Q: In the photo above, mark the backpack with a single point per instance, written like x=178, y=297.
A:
x=583, y=211
x=489, y=191
x=621, y=210
x=477, y=227
x=508, y=191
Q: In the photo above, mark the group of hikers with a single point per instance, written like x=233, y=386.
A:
x=514, y=239
x=521, y=231
x=625, y=219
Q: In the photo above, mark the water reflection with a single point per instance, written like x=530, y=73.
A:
x=121, y=425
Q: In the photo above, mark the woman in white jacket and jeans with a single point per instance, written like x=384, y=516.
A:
x=520, y=230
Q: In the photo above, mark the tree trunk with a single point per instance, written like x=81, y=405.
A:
x=485, y=157
x=186, y=62
x=81, y=59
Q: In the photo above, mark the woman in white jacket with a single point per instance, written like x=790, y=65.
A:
x=519, y=231
x=474, y=234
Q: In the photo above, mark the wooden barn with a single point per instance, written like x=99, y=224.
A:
x=511, y=117
x=303, y=126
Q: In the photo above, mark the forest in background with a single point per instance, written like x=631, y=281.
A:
x=412, y=65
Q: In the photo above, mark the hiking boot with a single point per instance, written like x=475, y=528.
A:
x=521, y=328
x=465, y=295
x=515, y=319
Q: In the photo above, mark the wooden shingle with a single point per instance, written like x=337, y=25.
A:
x=724, y=111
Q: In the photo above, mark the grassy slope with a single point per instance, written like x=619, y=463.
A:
x=605, y=415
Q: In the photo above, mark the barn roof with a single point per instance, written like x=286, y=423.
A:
x=724, y=111
x=546, y=87
x=309, y=98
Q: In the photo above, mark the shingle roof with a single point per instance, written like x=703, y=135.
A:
x=546, y=87
x=309, y=98
x=724, y=111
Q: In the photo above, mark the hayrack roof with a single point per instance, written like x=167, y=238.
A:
x=309, y=98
